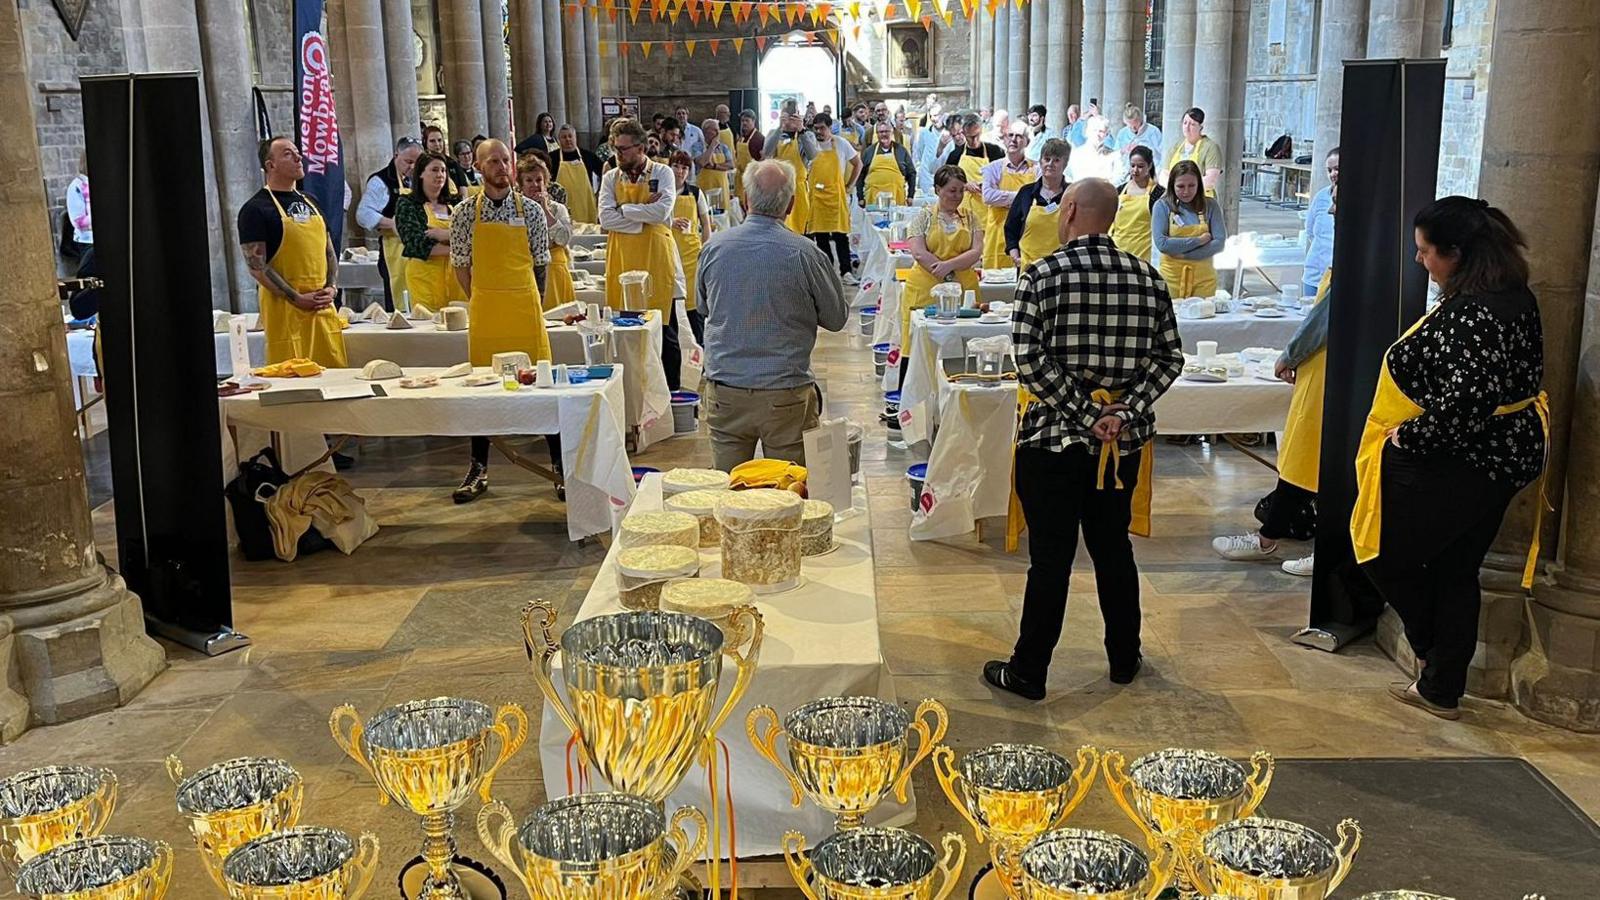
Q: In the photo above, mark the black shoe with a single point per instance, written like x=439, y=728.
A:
x=474, y=485
x=1124, y=674
x=342, y=462
x=561, y=492
x=999, y=675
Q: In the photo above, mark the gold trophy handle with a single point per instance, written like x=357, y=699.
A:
x=498, y=840
x=800, y=867
x=1111, y=769
x=944, y=768
x=766, y=744
x=955, y=856
x=1261, y=766
x=928, y=737
x=153, y=883
x=1194, y=862
x=511, y=725
x=1162, y=866
x=350, y=742
x=1349, y=843
x=688, y=851
x=1083, y=777
x=175, y=769
x=366, y=863
x=746, y=663
x=542, y=650
x=102, y=804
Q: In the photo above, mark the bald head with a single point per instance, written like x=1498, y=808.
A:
x=1089, y=208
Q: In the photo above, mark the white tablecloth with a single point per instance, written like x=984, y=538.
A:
x=821, y=640
x=1239, y=331
x=588, y=417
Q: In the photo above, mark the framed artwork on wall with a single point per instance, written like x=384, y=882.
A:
x=909, y=54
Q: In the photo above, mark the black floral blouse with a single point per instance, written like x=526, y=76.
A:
x=1474, y=354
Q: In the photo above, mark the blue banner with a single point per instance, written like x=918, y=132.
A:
x=316, y=125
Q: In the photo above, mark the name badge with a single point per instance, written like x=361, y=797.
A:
x=949, y=226
x=518, y=220
x=302, y=217
x=1051, y=207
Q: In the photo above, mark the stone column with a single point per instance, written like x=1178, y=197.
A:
x=527, y=64
x=367, y=100
x=1123, y=45
x=1344, y=36
x=349, y=140
x=1072, y=53
x=591, y=62
x=231, y=117
x=1232, y=124
x=1057, y=76
x=1042, y=43
x=1021, y=50
x=1541, y=163
x=1395, y=29
x=577, y=70
x=1177, y=75
x=1002, y=57
x=555, y=62
x=1432, y=28
x=400, y=60
x=72, y=638
x=983, y=59
x=1094, y=50
x=464, y=88
x=1213, y=82
x=497, y=104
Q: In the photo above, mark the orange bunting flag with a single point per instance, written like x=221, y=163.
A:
x=831, y=37
x=715, y=46
x=645, y=46
x=761, y=42
x=855, y=33
x=688, y=47
x=694, y=11
x=888, y=11
x=764, y=12
x=738, y=45
x=667, y=47
x=994, y=7
x=927, y=23
x=796, y=12
x=655, y=12
x=820, y=12
x=611, y=14
x=572, y=12
x=624, y=49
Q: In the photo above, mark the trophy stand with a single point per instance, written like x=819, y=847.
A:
x=477, y=881
x=988, y=885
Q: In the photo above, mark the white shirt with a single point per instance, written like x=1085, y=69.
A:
x=1087, y=164
x=1149, y=137
x=631, y=218
x=78, y=210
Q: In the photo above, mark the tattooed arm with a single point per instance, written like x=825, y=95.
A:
x=255, y=257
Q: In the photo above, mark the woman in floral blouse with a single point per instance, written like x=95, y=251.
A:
x=1456, y=430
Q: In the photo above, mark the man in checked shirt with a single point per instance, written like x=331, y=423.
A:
x=1096, y=344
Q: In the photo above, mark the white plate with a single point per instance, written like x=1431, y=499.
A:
x=480, y=380
x=993, y=319
x=1269, y=313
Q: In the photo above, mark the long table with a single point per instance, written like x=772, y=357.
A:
x=588, y=417
x=821, y=640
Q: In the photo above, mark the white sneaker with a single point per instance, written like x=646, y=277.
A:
x=1301, y=566
x=1243, y=547
x=850, y=279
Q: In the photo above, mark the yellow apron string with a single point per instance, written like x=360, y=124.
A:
x=1015, y=521
x=1541, y=405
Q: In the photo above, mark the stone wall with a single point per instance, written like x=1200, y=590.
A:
x=1466, y=97
x=949, y=51
x=272, y=22
x=1281, y=95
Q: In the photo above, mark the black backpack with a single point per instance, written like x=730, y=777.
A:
x=1282, y=148
x=250, y=515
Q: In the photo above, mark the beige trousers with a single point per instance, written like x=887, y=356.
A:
x=739, y=417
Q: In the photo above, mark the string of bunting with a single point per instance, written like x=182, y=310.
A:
x=830, y=36
x=784, y=11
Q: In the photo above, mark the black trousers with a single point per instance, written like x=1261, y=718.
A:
x=671, y=354
x=1059, y=496
x=383, y=276
x=1440, y=517
x=1287, y=504
x=840, y=247
x=480, y=451
x=697, y=324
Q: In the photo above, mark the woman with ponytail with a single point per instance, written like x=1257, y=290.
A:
x=1458, y=426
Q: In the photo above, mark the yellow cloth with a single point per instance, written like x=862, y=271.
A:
x=973, y=166
x=688, y=243
x=1041, y=232
x=1300, y=450
x=289, y=368
x=582, y=203
x=800, y=216
x=503, y=315
x=290, y=509
x=994, y=235
x=1205, y=154
x=432, y=281
x=1109, y=475
x=884, y=175
x=1188, y=277
x=741, y=159
x=1131, y=229
x=830, y=213
x=651, y=250
x=1390, y=409
x=558, y=287
x=767, y=473
x=302, y=260
x=919, y=281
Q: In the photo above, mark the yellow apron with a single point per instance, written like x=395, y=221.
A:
x=1131, y=229
x=1041, y=232
x=800, y=216
x=688, y=243
x=558, y=287
x=394, y=258
x=651, y=250
x=994, y=235
x=1390, y=409
x=1192, y=155
x=302, y=260
x=1300, y=448
x=973, y=166
x=741, y=159
x=829, y=212
x=1108, y=475
x=1188, y=277
x=581, y=201
x=919, y=281
x=432, y=281
x=713, y=180
x=884, y=176
x=504, y=315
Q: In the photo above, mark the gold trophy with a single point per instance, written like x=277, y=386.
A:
x=99, y=868
x=1073, y=864
x=1011, y=794
x=594, y=846
x=848, y=752
x=429, y=756
x=234, y=802
x=1270, y=859
x=1411, y=895
x=45, y=808
x=874, y=864
x=1176, y=792
x=642, y=686
x=301, y=864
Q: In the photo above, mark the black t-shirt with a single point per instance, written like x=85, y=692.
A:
x=987, y=150
x=259, y=219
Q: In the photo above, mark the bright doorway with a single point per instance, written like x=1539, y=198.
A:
x=799, y=72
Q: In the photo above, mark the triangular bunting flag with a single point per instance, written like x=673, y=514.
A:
x=967, y=7
x=594, y=13
x=855, y=9
x=888, y=11
x=672, y=15
x=715, y=46
x=716, y=11
x=694, y=11
x=688, y=47
x=994, y=7
x=645, y=46
x=820, y=12
x=761, y=42
x=655, y=12
x=915, y=9
x=667, y=46
x=738, y=44
x=764, y=12
x=927, y=23
x=949, y=16
x=611, y=14
x=831, y=37
x=796, y=12
x=572, y=12
x=624, y=49
x=633, y=8
x=855, y=33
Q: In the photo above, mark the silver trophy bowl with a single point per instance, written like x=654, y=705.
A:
x=1402, y=895
x=99, y=864
x=1019, y=768
x=1074, y=861
x=1270, y=848
x=628, y=650
x=42, y=790
x=235, y=784
x=428, y=724
x=874, y=858
x=1187, y=775
x=847, y=723
x=301, y=863
x=592, y=828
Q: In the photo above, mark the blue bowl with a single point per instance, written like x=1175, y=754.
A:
x=601, y=373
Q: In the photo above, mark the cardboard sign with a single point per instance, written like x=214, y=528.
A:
x=828, y=464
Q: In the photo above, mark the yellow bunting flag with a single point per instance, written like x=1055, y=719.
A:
x=688, y=47
x=831, y=37
x=645, y=46
x=796, y=12
x=949, y=16
x=633, y=9
x=914, y=9
x=855, y=9
x=738, y=45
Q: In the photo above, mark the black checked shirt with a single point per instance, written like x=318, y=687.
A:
x=1089, y=317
